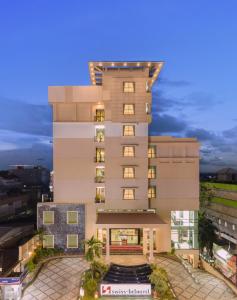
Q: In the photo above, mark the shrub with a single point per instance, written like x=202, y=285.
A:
x=31, y=265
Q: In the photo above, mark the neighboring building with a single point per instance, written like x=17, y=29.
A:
x=227, y=175
x=133, y=191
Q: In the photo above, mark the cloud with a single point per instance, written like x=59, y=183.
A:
x=231, y=133
x=173, y=83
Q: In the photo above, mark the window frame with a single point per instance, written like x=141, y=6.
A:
x=127, y=176
x=72, y=211
x=150, y=153
x=152, y=194
x=152, y=176
x=68, y=240
x=124, y=130
x=129, y=111
x=133, y=192
x=48, y=211
x=129, y=86
x=133, y=151
x=52, y=235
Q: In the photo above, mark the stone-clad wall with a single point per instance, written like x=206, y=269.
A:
x=60, y=228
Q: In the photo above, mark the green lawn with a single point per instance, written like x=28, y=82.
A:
x=226, y=202
x=221, y=186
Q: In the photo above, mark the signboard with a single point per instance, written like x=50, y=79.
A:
x=125, y=289
x=9, y=280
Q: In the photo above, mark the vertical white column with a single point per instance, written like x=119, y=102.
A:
x=151, y=244
x=107, y=244
x=144, y=241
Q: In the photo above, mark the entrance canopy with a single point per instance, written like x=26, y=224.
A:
x=133, y=220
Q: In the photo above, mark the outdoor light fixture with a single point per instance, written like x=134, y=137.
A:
x=82, y=292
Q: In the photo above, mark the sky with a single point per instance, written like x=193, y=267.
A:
x=46, y=43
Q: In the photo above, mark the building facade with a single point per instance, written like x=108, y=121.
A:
x=133, y=191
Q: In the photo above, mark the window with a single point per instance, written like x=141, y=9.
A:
x=99, y=115
x=129, y=151
x=225, y=224
x=72, y=241
x=128, y=172
x=152, y=172
x=151, y=192
x=219, y=221
x=151, y=151
x=100, y=174
x=129, y=194
x=99, y=134
x=100, y=195
x=233, y=227
x=72, y=217
x=148, y=108
x=128, y=109
x=48, y=217
x=100, y=154
x=48, y=241
x=129, y=87
x=128, y=130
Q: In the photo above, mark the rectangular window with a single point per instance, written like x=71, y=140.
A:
x=100, y=154
x=128, y=109
x=128, y=151
x=72, y=217
x=99, y=115
x=72, y=241
x=151, y=192
x=151, y=151
x=151, y=172
x=128, y=194
x=100, y=195
x=148, y=108
x=100, y=174
x=48, y=241
x=48, y=217
x=128, y=172
x=129, y=87
x=99, y=134
x=128, y=130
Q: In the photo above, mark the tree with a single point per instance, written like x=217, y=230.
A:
x=94, y=247
x=206, y=195
x=206, y=233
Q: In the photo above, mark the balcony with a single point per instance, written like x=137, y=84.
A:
x=99, y=179
x=99, y=199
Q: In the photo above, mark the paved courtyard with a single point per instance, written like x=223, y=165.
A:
x=185, y=286
x=59, y=279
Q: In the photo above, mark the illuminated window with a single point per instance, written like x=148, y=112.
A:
x=151, y=151
x=128, y=130
x=152, y=192
x=99, y=174
x=129, y=151
x=129, y=87
x=72, y=217
x=48, y=241
x=100, y=154
x=129, y=194
x=128, y=109
x=148, y=108
x=100, y=195
x=152, y=172
x=128, y=172
x=48, y=217
x=99, y=115
x=99, y=134
x=72, y=241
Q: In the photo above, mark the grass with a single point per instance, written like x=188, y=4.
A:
x=224, y=201
x=221, y=186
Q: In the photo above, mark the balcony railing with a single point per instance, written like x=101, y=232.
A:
x=99, y=199
x=99, y=179
x=99, y=159
x=99, y=118
x=100, y=138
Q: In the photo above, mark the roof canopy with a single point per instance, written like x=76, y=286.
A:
x=97, y=68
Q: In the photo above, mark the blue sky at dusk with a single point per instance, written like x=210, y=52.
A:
x=50, y=43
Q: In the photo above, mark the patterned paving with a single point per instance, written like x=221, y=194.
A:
x=59, y=279
x=196, y=286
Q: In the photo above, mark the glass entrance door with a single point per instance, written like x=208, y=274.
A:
x=125, y=236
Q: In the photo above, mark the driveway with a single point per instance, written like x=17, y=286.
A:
x=207, y=286
x=59, y=279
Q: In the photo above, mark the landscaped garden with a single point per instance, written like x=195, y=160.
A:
x=221, y=186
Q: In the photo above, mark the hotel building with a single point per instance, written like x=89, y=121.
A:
x=136, y=193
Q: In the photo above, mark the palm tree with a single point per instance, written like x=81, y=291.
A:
x=206, y=233
x=94, y=247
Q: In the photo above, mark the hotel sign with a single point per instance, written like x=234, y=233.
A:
x=125, y=289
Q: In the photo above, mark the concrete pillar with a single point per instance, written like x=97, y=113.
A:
x=151, y=256
x=107, y=245
x=195, y=260
x=144, y=241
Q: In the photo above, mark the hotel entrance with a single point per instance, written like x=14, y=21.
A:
x=125, y=236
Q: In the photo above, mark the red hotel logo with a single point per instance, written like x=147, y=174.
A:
x=106, y=290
